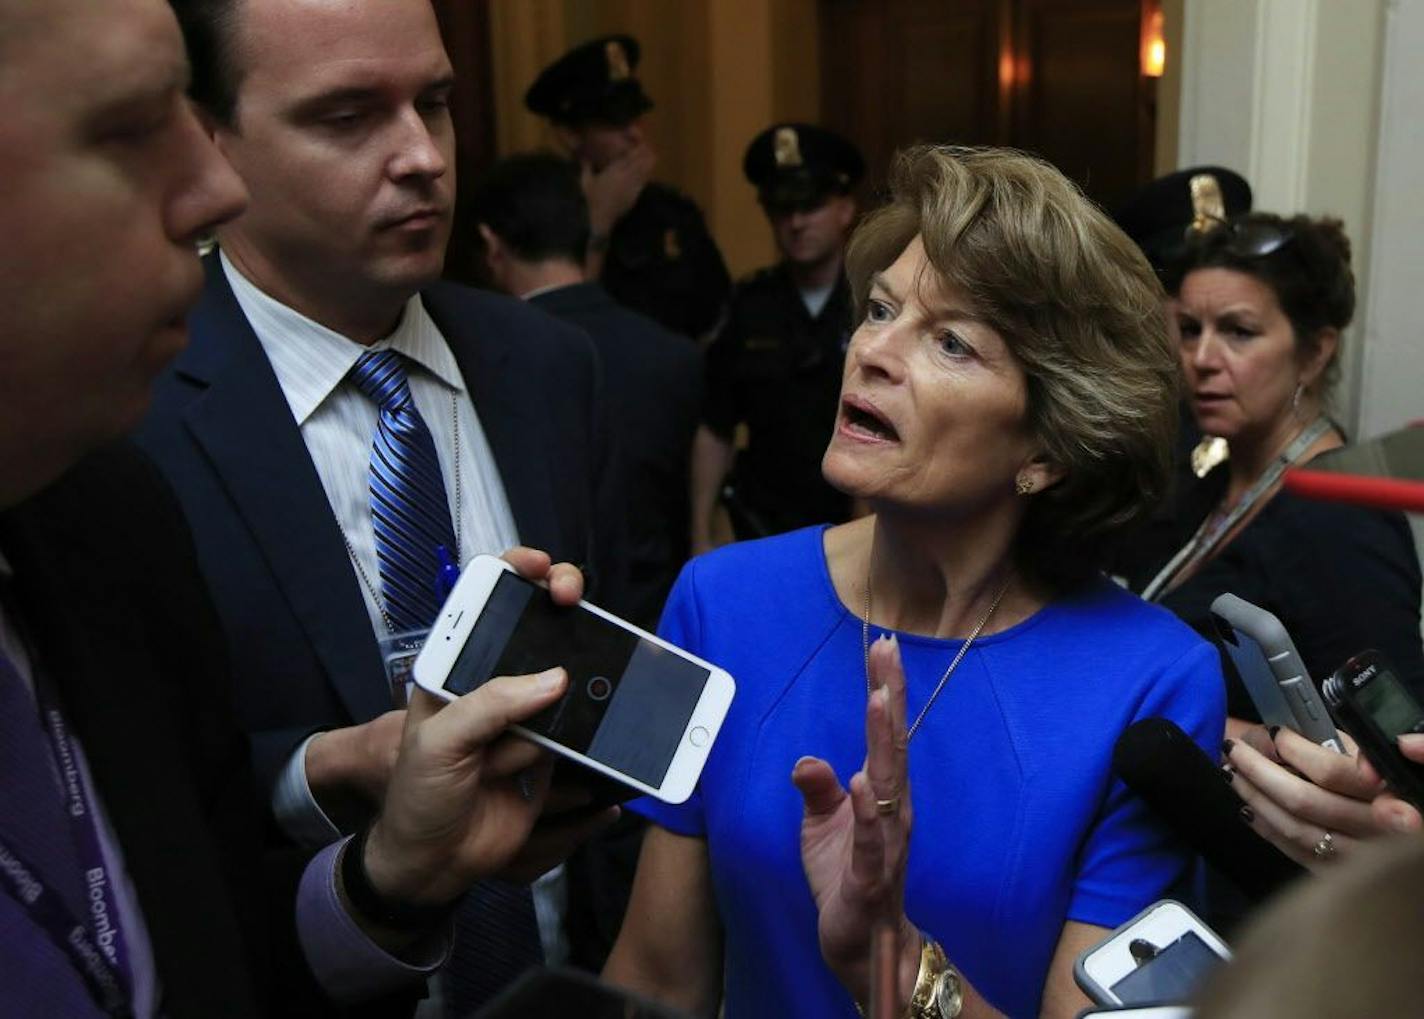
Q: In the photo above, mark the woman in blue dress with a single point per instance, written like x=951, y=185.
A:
x=928, y=697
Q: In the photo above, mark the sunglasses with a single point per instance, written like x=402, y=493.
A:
x=1246, y=238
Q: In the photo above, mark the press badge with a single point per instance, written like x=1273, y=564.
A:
x=398, y=653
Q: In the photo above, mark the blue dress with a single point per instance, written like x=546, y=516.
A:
x=1019, y=825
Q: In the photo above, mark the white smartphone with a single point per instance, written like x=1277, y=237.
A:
x=1159, y=957
x=637, y=709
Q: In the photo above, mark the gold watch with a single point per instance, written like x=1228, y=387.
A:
x=939, y=990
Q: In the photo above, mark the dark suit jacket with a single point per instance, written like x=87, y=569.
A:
x=221, y=431
x=108, y=590
x=653, y=382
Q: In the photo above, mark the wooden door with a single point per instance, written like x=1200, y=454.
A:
x=464, y=26
x=1060, y=78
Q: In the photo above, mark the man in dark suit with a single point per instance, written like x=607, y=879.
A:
x=649, y=245
x=343, y=250
x=133, y=879
x=533, y=222
x=323, y=345
x=534, y=228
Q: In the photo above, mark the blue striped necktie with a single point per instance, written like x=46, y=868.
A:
x=496, y=932
x=409, y=509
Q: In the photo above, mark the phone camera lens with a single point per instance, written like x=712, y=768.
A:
x=599, y=688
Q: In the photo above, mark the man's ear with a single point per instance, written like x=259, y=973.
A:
x=845, y=212
x=492, y=254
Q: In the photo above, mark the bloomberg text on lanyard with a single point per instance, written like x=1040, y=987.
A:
x=94, y=945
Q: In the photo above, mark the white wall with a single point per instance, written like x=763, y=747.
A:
x=1392, y=376
x=1287, y=92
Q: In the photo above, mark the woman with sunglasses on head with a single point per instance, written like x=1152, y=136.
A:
x=1007, y=409
x=1260, y=305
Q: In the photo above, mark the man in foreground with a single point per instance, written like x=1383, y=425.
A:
x=133, y=880
x=342, y=422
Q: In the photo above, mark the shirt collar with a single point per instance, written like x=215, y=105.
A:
x=310, y=360
x=545, y=290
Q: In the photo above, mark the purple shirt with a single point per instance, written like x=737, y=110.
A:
x=347, y=964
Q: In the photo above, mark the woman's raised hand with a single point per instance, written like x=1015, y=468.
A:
x=854, y=844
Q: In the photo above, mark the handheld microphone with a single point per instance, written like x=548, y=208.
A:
x=1184, y=788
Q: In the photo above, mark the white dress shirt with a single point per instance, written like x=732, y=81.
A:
x=338, y=423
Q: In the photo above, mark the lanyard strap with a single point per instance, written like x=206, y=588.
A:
x=99, y=895
x=69, y=935
x=1210, y=535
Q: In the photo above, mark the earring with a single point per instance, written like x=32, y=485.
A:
x=1022, y=485
x=1295, y=397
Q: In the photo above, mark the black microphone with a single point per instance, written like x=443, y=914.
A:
x=1186, y=790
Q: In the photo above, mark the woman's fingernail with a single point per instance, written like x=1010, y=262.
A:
x=1271, y=731
x=1227, y=773
x=1404, y=820
x=1412, y=741
x=550, y=678
x=1226, y=746
x=1247, y=814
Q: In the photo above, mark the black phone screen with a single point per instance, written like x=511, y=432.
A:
x=1169, y=974
x=628, y=700
x=1390, y=705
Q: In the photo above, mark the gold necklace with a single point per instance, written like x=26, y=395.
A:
x=958, y=657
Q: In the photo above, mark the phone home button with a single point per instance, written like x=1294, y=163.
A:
x=698, y=736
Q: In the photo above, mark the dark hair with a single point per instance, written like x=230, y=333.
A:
x=1309, y=273
x=535, y=205
x=1082, y=312
x=208, y=29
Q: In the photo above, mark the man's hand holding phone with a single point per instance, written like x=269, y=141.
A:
x=465, y=794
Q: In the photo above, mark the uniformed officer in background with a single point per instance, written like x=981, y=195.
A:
x=649, y=245
x=775, y=367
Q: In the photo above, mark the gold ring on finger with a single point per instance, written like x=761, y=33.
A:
x=887, y=807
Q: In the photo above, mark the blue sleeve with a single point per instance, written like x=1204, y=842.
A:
x=681, y=625
x=1129, y=859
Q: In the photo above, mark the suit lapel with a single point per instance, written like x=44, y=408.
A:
x=512, y=423
x=245, y=427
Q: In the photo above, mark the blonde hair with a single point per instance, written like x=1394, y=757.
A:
x=1081, y=310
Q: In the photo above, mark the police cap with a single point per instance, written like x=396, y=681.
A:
x=800, y=164
x=591, y=82
x=1157, y=217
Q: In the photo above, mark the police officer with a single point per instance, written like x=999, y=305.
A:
x=1160, y=217
x=775, y=367
x=649, y=246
